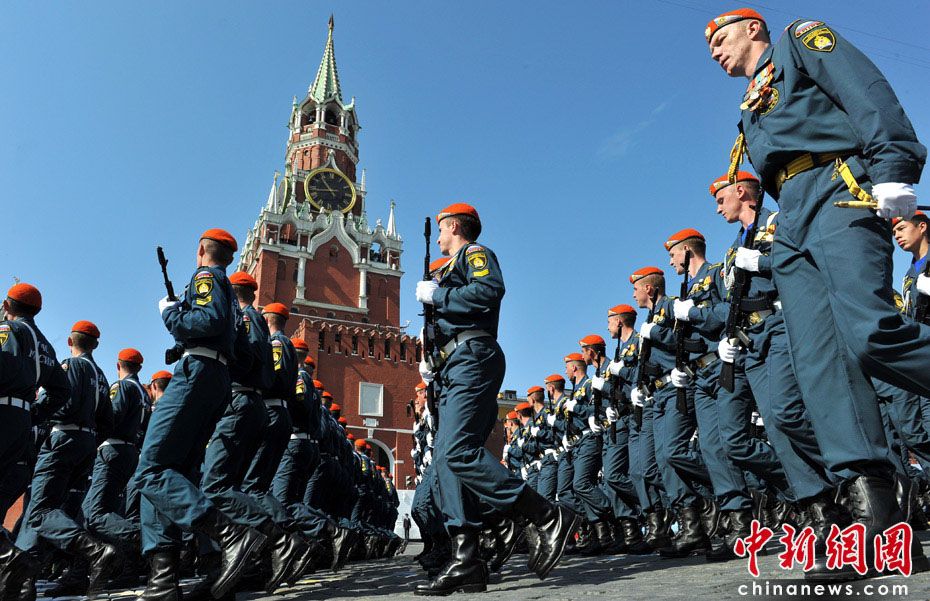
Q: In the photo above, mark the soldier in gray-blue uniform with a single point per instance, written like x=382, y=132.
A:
x=204, y=322
x=544, y=445
x=683, y=471
x=820, y=124
x=470, y=367
x=565, y=473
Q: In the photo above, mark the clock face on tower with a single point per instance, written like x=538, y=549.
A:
x=329, y=190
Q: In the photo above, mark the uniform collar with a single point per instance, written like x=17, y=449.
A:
x=764, y=59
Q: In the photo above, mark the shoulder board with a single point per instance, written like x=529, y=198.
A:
x=4, y=327
x=203, y=274
x=114, y=386
x=276, y=342
x=473, y=249
x=790, y=25
x=715, y=266
x=805, y=27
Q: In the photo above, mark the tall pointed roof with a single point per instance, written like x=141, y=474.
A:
x=326, y=85
x=392, y=225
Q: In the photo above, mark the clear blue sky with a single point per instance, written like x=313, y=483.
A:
x=584, y=134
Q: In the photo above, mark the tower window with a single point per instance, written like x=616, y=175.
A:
x=331, y=117
x=354, y=345
x=322, y=341
x=371, y=347
x=387, y=349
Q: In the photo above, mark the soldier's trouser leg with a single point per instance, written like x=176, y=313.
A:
x=15, y=443
x=548, y=480
x=834, y=270
x=898, y=452
x=235, y=440
x=644, y=471
x=726, y=478
x=615, y=461
x=277, y=434
x=466, y=470
x=64, y=460
x=565, y=475
x=532, y=477
x=103, y=504
x=680, y=465
x=586, y=458
x=298, y=463
x=174, y=447
x=787, y=423
x=424, y=508
x=734, y=410
x=314, y=492
x=904, y=410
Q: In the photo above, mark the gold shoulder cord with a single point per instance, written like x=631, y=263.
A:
x=863, y=200
x=736, y=157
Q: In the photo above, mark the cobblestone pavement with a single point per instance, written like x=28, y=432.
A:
x=625, y=577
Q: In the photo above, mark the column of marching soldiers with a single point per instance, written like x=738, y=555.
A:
x=241, y=445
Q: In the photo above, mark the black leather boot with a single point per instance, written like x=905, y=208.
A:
x=600, y=539
x=824, y=511
x=72, y=582
x=305, y=564
x=163, y=583
x=657, y=536
x=711, y=517
x=103, y=559
x=343, y=541
x=439, y=555
x=25, y=592
x=555, y=525
x=633, y=537
x=691, y=536
x=532, y=544
x=465, y=573
x=286, y=551
x=16, y=567
x=740, y=527
x=507, y=536
x=240, y=546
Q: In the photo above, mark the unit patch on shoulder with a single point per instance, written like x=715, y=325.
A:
x=248, y=323
x=113, y=390
x=805, y=27
x=820, y=40
x=479, y=264
x=4, y=333
x=203, y=289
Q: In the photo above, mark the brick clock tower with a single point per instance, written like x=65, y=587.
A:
x=313, y=249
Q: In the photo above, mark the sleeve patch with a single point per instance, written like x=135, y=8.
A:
x=113, y=390
x=473, y=249
x=820, y=40
x=478, y=261
x=203, y=288
x=201, y=275
x=805, y=27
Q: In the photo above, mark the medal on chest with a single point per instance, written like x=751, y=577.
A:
x=759, y=95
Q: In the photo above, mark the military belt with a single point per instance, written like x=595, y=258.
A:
x=806, y=162
x=302, y=436
x=71, y=428
x=14, y=402
x=706, y=360
x=757, y=316
x=274, y=403
x=244, y=389
x=662, y=382
x=458, y=340
x=209, y=353
x=552, y=453
x=114, y=441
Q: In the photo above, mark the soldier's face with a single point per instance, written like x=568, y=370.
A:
x=728, y=203
x=731, y=49
x=641, y=295
x=445, y=235
x=676, y=258
x=613, y=324
x=908, y=235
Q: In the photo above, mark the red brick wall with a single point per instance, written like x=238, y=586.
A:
x=331, y=276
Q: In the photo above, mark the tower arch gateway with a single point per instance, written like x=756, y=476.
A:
x=313, y=254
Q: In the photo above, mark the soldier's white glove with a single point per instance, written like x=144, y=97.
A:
x=534, y=430
x=523, y=472
x=596, y=428
x=565, y=443
x=680, y=379
x=550, y=419
x=521, y=442
x=636, y=397
x=425, y=291
x=645, y=329
x=747, y=259
x=425, y=372
x=612, y=415
x=597, y=383
x=165, y=304
x=756, y=419
x=681, y=309
x=570, y=405
x=727, y=351
x=614, y=367
x=923, y=284
x=429, y=439
x=428, y=457
x=894, y=200
x=418, y=479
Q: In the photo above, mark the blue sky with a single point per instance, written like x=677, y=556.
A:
x=584, y=133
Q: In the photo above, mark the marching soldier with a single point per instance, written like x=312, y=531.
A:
x=856, y=138
x=466, y=304
x=557, y=420
x=543, y=446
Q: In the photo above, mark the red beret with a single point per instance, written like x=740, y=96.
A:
x=439, y=263
x=26, y=294
x=300, y=344
x=161, y=375
x=620, y=310
x=512, y=415
x=898, y=220
x=574, y=357
x=592, y=340
x=523, y=406
x=360, y=443
x=645, y=271
x=728, y=18
x=723, y=181
x=277, y=308
x=678, y=237
x=221, y=236
x=318, y=384
x=328, y=395
x=86, y=327
x=342, y=421
x=130, y=355
x=334, y=406
x=367, y=447
x=420, y=386
x=309, y=361
x=553, y=378
x=241, y=278
x=533, y=389
x=459, y=208
x=350, y=436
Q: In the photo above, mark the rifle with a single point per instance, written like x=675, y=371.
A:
x=642, y=380
x=733, y=329
x=173, y=354
x=615, y=392
x=922, y=304
x=428, y=325
x=682, y=330
x=597, y=396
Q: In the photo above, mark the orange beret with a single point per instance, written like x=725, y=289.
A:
x=350, y=436
x=221, y=236
x=130, y=355
x=26, y=294
x=161, y=375
x=645, y=271
x=241, y=278
x=327, y=394
x=522, y=406
x=512, y=415
x=300, y=344
x=723, y=181
x=86, y=327
x=334, y=406
x=367, y=446
x=318, y=384
x=678, y=237
x=728, y=18
x=342, y=421
x=277, y=308
x=574, y=357
x=459, y=208
x=420, y=386
x=309, y=361
x=553, y=378
x=592, y=340
x=898, y=220
x=360, y=443
x=439, y=263
x=620, y=310
x=533, y=389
